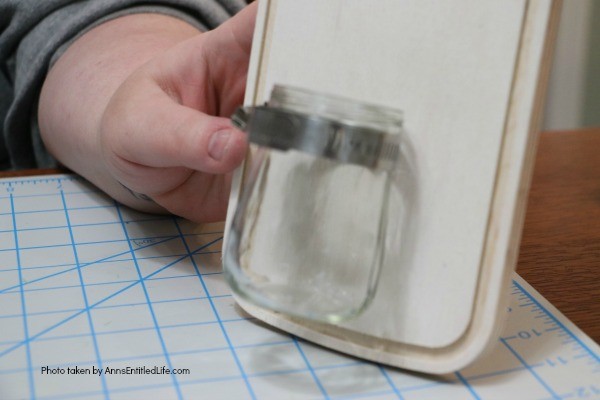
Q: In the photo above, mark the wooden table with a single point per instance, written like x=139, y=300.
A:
x=560, y=248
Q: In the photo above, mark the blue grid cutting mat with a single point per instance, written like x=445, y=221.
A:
x=88, y=285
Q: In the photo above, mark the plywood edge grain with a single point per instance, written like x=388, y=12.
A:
x=259, y=40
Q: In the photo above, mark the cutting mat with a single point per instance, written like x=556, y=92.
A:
x=87, y=284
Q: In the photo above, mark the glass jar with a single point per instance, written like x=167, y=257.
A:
x=308, y=234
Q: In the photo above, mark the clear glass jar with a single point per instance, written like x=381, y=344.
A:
x=308, y=234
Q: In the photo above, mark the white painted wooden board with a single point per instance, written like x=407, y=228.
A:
x=466, y=75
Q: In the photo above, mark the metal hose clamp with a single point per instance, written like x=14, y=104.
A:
x=284, y=130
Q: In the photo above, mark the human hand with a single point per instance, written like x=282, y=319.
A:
x=160, y=128
x=165, y=132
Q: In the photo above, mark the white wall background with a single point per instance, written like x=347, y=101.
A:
x=569, y=99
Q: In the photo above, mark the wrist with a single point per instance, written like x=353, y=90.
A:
x=81, y=83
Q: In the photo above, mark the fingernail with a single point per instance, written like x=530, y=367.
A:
x=218, y=144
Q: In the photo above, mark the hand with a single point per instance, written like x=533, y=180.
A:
x=164, y=132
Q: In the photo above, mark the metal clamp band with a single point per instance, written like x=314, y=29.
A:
x=284, y=130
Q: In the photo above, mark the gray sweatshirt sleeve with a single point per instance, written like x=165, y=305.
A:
x=35, y=32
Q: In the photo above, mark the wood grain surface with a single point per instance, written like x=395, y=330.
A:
x=560, y=246
x=32, y=172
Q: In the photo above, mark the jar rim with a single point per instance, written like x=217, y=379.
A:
x=343, y=109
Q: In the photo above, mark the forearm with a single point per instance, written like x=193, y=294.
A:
x=81, y=83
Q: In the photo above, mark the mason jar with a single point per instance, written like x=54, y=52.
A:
x=308, y=234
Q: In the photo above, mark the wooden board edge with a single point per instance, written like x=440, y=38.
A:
x=257, y=56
